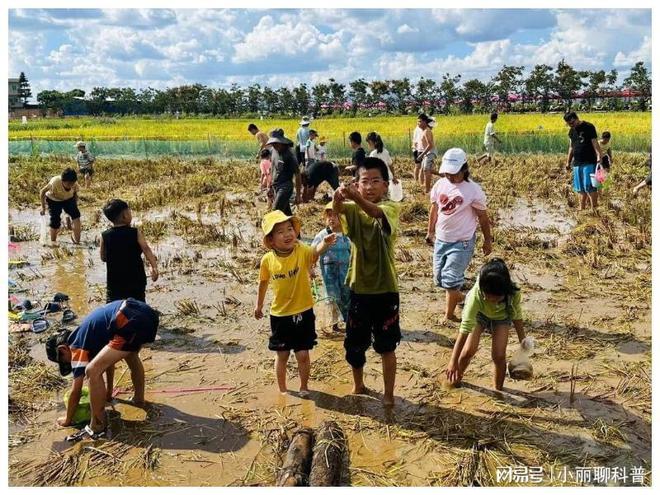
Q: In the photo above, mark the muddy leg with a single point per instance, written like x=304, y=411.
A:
x=389, y=376
x=498, y=353
x=303, y=369
x=280, y=369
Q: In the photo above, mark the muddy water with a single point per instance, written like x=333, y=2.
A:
x=228, y=436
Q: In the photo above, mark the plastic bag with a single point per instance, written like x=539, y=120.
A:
x=600, y=174
x=396, y=191
x=326, y=311
x=83, y=412
x=520, y=367
x=43, y=231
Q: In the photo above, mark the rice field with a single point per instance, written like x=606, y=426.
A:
x=228, y=138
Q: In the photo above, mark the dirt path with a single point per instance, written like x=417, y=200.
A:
x=589, y=311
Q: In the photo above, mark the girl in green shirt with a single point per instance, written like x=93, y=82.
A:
x=491, y=305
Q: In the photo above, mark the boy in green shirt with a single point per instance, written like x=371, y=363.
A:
x=491, y=306
x=371, y=224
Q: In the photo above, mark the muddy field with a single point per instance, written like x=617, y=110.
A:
x=586, y=284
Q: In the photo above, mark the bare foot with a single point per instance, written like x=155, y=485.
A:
x=137, y=402
x=360, y=390
x=388, y=401
x=304, y=393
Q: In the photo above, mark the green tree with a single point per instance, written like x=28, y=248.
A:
x=254, y=99
x=567, y=83
x=639, y=81
x=401, y=95
x=358, y=94
x=507, y=81
x=337, y=95
x=320, y=98
x=595, y=86
x=449, y=91
x=24, y=91
x=539, y=85
x=474, y=95
x=426, y=95
x=302, y=99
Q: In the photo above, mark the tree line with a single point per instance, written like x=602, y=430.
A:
x=543, y=89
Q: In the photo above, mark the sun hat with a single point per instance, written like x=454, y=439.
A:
x=53, y=342
x=277, y=136
x=305, y=120
x=274, y=217
x=452, y=161
x=81, y=143
x=432, y=122
x=323, y=139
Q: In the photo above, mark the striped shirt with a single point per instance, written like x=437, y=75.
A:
x=84, y=159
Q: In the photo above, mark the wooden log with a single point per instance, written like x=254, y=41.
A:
x=329, y=450
x=297, y=463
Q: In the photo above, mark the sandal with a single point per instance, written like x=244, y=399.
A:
x=86, y=432
x=68, y=315
x=39, y=325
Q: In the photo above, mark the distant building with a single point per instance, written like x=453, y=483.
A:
x=14, y=100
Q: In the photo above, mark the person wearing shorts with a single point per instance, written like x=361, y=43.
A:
x=428, y=153
x=316, y=173
x=371, y=222
x=107, y=335
x=583, y=155
x=85, y=161
x=61, y=194
x=293, y=333
x=458, y=204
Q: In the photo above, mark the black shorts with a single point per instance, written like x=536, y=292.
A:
x=117, y=293
x=318, y=172
x=55, y=208
x=371, y=315
x=292, y=333
x=137, y=326
x=87, y=170
x=415, y=154
x=300, y=156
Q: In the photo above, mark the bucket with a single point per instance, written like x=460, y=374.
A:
x=83, y=412
x=594, y=181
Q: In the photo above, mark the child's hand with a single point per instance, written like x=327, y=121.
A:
x=454, y=375
x=258, y=313
x=487, y=247
x=429, y=239
x=350, y=191
x=329, y=240
x=42, y=212
x=339, y=194
x=154, y=274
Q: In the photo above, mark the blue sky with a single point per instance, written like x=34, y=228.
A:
x=82, y=48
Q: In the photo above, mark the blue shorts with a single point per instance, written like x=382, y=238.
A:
x=489, y=325
x=582, y=179
x=450, y=260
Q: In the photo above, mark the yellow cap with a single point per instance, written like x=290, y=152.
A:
x=274, y=217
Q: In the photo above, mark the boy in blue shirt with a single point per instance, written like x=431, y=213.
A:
x=107, y=335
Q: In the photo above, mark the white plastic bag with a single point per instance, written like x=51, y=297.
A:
x=43, y=230
x=520, y=367
x=396, y=191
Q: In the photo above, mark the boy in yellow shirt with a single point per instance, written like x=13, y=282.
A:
x=287, y=265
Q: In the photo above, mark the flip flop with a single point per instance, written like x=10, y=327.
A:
x=60, y=297
x=86, y=432
x=52, y=307
x=40, y=325
x=68, y=315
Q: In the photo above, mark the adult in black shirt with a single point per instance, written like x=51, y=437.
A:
x=583, y=154
x=355, y=140
x=315, y=174
x=284, y=169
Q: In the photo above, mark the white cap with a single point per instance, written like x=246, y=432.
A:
x=452, y=161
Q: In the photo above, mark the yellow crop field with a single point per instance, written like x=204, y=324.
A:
x=72, y=128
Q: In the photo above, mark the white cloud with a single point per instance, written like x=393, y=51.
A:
x=643, y=54
x=404, y=28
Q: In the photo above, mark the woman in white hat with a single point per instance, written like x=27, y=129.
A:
x=302, y=135
x=457, y=205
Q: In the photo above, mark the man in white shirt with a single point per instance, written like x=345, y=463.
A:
x=489, y=139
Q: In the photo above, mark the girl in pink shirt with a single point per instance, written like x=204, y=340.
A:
x=266, y=175
x=458, y=205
